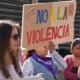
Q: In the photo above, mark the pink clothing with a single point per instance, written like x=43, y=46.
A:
x=69, y=75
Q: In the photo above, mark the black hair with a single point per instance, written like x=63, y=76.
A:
x=75, y=42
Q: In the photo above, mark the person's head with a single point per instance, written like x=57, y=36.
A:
x=75, y=47
x=9, y=36
x=9, y=40
x=51, y=46
x=42, y=51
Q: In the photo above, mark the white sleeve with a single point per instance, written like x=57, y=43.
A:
x=27, y=68
x=59, y=60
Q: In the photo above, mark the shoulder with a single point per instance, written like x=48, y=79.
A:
x=27, y=66
x=68, y=57
x=27, y=63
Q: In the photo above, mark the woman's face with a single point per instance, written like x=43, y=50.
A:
x=51, y=46
x=42, y=51
x=76, y=50
x=14, y=40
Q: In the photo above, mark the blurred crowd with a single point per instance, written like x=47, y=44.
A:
x=45, y=62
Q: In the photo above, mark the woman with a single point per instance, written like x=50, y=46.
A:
x=39, y=63
x=9, y=44
x=9, y=51
x=73, y=61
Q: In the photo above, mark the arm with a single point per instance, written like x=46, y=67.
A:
x=60, y=61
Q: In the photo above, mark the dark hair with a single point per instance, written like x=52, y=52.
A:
x=30, y=52
x=75, y=42
x=5, y=34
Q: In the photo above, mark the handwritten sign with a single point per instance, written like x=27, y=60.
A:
x=43, y=22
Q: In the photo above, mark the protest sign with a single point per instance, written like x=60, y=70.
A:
x=43, y=22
